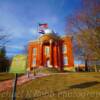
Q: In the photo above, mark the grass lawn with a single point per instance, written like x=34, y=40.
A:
x=78, y=86
x=46, y=70
x=6, y=76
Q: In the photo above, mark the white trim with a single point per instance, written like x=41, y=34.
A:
x=64, y=48
x=65, y=60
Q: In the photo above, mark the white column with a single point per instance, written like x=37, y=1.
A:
x=51, y=53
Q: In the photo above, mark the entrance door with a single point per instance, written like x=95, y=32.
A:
x=47, y=56
x=48, y=63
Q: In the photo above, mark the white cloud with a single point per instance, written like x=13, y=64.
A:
x=33, y=31
x=15, y=47
x=10, y=22
x=50, y=19
x=54, y=19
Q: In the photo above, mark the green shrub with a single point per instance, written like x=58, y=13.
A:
x=69, y=69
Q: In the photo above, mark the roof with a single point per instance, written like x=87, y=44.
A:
x=47, y=37
x=50, y=36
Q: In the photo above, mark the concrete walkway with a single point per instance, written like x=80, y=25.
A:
x=5, y=85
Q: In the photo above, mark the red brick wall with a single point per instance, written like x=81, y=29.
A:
x=68, y=42
x=57, y=57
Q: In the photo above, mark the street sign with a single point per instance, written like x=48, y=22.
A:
x=19, y=64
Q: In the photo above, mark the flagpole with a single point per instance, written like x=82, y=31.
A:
x=39, y=39
x=38, y=28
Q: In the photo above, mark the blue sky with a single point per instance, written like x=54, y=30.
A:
x=20, y=19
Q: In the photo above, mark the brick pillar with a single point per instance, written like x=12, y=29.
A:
x=29, y=58
x=59, y=55
x=56, y=55
x=41, y=54
x=51, y=53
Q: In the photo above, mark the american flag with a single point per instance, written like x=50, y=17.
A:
x=42, y=27
x=45, y=25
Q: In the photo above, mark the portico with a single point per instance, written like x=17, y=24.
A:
x=47, y=53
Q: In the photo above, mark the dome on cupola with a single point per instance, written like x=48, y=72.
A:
x=48, y=31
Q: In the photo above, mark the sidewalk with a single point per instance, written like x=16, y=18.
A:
x=5, y=85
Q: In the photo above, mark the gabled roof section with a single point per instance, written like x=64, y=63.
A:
x=47, y=37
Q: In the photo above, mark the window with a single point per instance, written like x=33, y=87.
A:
x=47, y=51
x=65, y=60
x=34, y=51
x=98, y=15
x=64, y=48
x=34, y=61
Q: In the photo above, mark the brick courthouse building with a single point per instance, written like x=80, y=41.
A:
x=50, y=50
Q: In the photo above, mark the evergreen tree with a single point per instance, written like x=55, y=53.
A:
x=4, y=62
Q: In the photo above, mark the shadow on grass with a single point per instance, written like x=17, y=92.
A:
x=84, y=85
x=80, y=86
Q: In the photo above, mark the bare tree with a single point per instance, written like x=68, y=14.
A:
x=4, y=38
x=83, y=25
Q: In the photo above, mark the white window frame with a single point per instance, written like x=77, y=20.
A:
x=34, y=51
x=64, y=48
x=65, y=60
x=34, y=61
